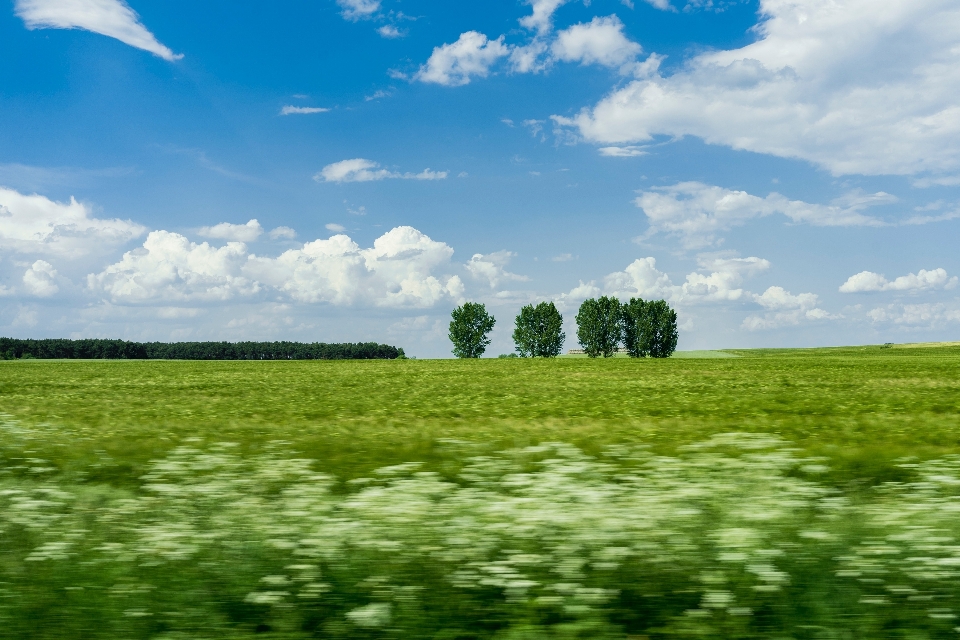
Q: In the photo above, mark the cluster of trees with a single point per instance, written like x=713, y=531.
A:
x=11, y=348
x=644, y=328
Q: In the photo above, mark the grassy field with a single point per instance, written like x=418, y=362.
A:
x=776, y=493
x=863, y=407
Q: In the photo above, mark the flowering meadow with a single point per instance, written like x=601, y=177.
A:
x=187, y=529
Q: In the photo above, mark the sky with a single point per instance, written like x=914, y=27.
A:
x=785, y=173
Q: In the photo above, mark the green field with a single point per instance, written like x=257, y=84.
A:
x=777, y=493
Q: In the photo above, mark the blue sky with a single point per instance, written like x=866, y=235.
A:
x=784, y=172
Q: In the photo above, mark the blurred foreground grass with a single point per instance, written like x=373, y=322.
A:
x=783, y=493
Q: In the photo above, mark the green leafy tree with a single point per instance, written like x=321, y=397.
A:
x=539, y=331
x=659, y=330
x=469, y=328
x=633, y=322
x=599, y=327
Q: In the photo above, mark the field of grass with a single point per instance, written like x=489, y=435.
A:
x=777, y=493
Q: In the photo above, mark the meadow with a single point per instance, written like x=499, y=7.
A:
x=778, y=493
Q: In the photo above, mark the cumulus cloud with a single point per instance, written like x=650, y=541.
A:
x=785, y=309
x=170, y=267
x=363, y=170
x=698, y=212
x=492, y=268
x=336, y=228
x=112, y=18
x=238, y=232
x=400, y=270
x=600, y=41
x=921, y=281
x=541, y=20
x=40, y=279
x=854, y=86
x=291, y=110
x=35, y=224
x=454, y=64
x=718, y=279
x=359, y=9
x=915, y=316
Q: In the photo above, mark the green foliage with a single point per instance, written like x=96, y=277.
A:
x=649, y=328
x=508, y=355
x=660, y=329
x=123, y=350
x=469, y=329
x=599, y=326
x=539, y=331
x=633, y=321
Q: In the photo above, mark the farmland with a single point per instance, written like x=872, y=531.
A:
x=759, y=495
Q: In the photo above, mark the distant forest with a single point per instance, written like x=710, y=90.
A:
x=11, y=348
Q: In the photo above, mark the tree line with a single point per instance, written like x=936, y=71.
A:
x=94, y=349
x=643, y=328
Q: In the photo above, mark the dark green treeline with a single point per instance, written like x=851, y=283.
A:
x=11, y=348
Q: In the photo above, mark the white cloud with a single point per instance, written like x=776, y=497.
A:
x=854, y=86
x=915, y=316
x=718, y=280
x=359, y=9
x=390, y=31
x=921, y=281
x=454, y=64
x=563, y=257
x=492, y=268
x=622, y=152
x=238, y=232
x=170, y=267
x=363, y=170
x=541, y=20
x=112, y=18
x=40, y=279
x=697, y=212
x=291, y=110
x=600, y=41
x=785, y=309
x=35, y=224
x=282, y=233
x=336, y=228
x=400, y=270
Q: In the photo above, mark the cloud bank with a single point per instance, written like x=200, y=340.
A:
x=853, y=86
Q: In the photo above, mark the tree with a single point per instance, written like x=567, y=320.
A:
x=633, y=321
x=539, y=331
x=598, y=326
x=469, y=328
x=659, y=330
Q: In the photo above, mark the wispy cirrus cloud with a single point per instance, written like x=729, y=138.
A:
x=112, y=18
x=290, y=110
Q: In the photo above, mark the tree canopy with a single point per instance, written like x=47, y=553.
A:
x=469, y=329
x=599, y=326
x=539, y=331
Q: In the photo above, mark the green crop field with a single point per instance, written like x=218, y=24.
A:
x=765, y=493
